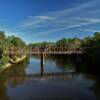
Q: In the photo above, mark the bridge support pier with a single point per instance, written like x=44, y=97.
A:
x=41, y=64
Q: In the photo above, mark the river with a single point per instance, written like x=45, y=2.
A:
x=57, y=78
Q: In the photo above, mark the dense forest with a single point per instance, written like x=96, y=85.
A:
x=89, y=45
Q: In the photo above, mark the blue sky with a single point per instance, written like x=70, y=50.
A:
x=49, y=20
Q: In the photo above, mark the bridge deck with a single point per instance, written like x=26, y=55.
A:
x=57, y=52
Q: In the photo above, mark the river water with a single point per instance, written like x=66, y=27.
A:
x=57, y=78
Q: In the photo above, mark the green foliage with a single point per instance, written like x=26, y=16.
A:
x=63, y=43
x=91, y=46
x=8, y=43
x=40, y=45
x=4, y=60
x=2, y=35
x=15, y=41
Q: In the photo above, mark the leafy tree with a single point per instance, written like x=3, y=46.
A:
x=91, y=46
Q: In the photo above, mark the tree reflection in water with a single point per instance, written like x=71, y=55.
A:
x=82, y=66
x=73, y=62
x=3, y=88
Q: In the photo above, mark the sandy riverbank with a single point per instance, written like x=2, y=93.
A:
x=18, y=60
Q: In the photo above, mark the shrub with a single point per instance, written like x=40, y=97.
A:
x=3, y=61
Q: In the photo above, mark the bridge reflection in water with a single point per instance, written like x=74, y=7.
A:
x=42, y=75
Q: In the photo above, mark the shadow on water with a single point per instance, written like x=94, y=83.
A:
x=71, y=70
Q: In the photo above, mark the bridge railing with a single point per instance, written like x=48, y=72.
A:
x=49, y=50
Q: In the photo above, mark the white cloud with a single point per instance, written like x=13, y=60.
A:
x=61, y=19
x=55, y=30
x=53, y=17
x=76, y=8
x=66, y=28
x=35, y=21
x=89, y=20
x=44, y=17
x=91, y=30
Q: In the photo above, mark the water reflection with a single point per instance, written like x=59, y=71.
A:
x=68, y=72
x=42, y=65
x=3, y=88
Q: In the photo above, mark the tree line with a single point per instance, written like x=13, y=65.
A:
x=90, y=45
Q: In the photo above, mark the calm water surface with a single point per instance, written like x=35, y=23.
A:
x=57, y=78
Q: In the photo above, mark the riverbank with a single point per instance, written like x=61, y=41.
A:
x=17, y=61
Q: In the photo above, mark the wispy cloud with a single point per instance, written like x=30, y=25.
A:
x=76, y=8
x=59, y=20
x=83, y=22
x=43, y=17
x=35, y=21
x=55, y=30
x=91, y=30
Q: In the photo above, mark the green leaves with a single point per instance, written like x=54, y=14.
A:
x=91, y=45
x=4, y=60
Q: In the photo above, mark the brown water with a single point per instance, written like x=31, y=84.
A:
x=58, y=78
